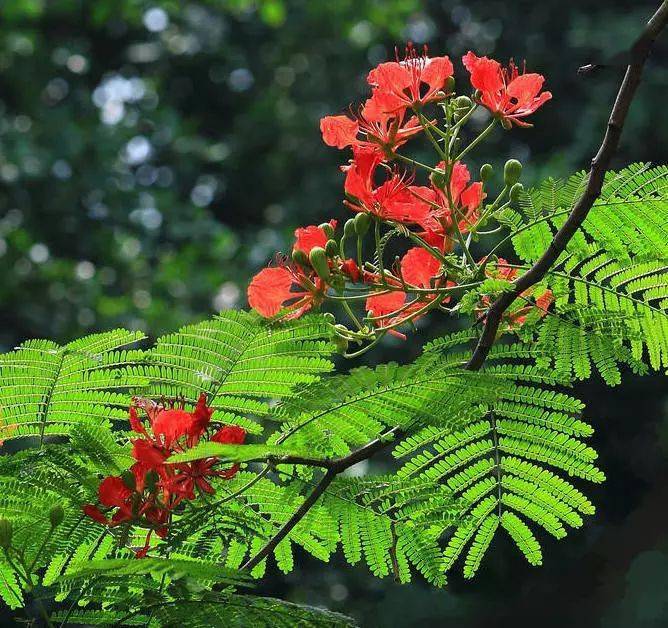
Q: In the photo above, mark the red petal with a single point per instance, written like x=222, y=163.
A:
x=94, y=513
x=383, y=304
x=269, y=290
x=339, y=131
x=113, y=492
x=485, y=73
x=147, y=453
x=525, y=88
x=418, y=267
x=230, y=435
x=436, y=72
x=308, y=237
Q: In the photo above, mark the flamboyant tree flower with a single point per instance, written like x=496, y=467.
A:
x=153, y=487
x=391, y=200
x=371, y=128
x=286, y=287
x=413, y=82
x=419, y=269
x=466, y=201
x=507, y=94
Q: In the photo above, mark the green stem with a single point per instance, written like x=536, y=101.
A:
x=477, y=140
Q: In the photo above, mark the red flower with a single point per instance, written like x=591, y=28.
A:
x=504, y=91
x=270, y=291
x=392, y=200
x=351, y=269
x=466, y=201
x=94, y=513
x=373, y=128
x=415, y=81
x=113, y=492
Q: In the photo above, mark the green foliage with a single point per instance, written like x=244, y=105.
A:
x=611, y=283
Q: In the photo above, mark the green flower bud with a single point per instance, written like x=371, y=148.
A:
x=486, y=172
x=331, y=248
x=341, y=344
x=463, y=105
x=449, y=86
x=56, y=516
x=512, y=172
x=299, y=257
x=516, y=192
x=362, y=224
x=318, y=259
x=129, y=480
x=349, y=228
x=6, y=531
x=327, y=228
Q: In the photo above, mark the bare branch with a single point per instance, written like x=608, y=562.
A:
x=600, y=163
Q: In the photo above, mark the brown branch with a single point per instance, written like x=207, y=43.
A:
x=600, y=163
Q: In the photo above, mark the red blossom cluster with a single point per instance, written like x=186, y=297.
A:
x=382, y=191
x=153, y=487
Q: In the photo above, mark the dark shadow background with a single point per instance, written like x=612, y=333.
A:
x=153, y=155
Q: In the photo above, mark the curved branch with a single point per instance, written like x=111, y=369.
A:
x=639, y=53
x=599, y=165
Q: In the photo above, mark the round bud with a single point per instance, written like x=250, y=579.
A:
x=512, y=172
x=299, y=257
x=6, y=531
x=331, y=248
x=349, y=228
x=341, y=344
x=463, y=105
x=56, y=516
x=486, y=172
x=362, y=224
x=318, y=259
x=516, y=192
x=327, y=228
x=449, y=86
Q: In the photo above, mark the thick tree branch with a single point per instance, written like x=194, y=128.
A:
x=599, y=165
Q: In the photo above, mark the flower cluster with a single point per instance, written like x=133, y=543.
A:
x=441, y=216
x=153, y=487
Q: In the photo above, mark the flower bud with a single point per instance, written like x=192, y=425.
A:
x=341, y=344
x=318, y=259
x=56, y=516
x=516, y=192
x=349, y=228
x=299, y=257
x=512, y=171
x=6, y=531
x=463, y=105
x=331, y=248
x=327, y=228
x=486, y=172
x=362, y=224
x=449, y=86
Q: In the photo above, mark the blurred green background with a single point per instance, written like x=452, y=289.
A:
x=154, y=154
